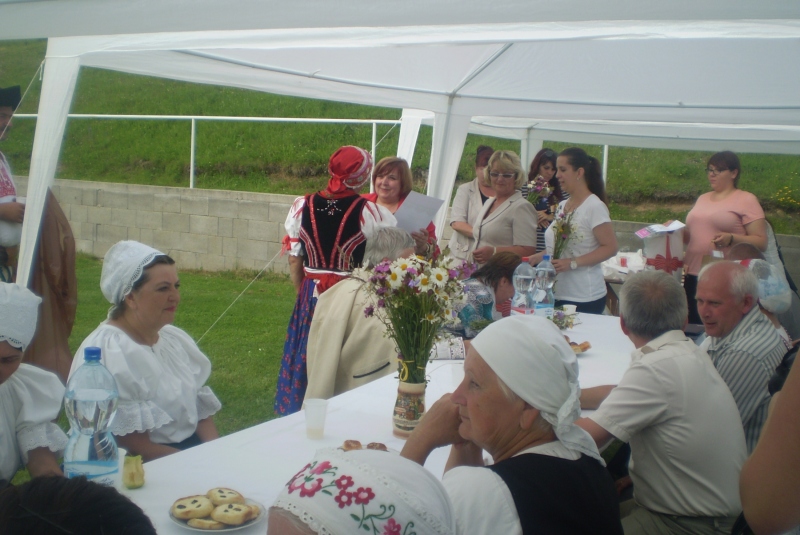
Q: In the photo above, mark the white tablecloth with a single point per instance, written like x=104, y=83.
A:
x=260, y=460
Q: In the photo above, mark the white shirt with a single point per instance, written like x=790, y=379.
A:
x=10, y=232
x=585, y=283
x=161, y=388
x=686, y=436
x=482, y=503
x=29, y=400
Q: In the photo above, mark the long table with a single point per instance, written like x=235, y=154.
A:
x=260, y=460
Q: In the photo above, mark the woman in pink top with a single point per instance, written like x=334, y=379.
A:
x=719, y=219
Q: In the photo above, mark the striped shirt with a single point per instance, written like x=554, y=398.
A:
x=746, y=358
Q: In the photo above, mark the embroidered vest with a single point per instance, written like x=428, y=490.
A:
x=555, y=495
x=331, y=232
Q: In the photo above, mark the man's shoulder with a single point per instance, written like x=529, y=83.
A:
x=754, y=334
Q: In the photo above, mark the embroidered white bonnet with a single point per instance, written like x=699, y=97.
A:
x=123, y=265
x=19, y=313
x=367, y=491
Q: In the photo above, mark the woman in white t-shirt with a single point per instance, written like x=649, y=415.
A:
x=580, y=279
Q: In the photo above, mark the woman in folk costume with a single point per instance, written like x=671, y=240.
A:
x=326, y=235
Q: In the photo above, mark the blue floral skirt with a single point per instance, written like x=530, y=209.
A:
x=293, y=377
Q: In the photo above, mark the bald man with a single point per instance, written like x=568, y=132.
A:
x=742, y=343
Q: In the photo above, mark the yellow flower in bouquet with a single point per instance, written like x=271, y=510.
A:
x=563, y=232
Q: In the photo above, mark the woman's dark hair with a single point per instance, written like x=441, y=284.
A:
x=119, y=309
x=578, y=158
x=484, y=151
x=52, y=505
x=727, y=161
x=542, y=157
x=500, y=265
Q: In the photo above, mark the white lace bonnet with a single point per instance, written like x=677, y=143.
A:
x=123, y=265
x=534, y=360
x=19, y=313
x=346, y=492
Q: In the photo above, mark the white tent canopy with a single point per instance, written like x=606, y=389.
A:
x=684, y=74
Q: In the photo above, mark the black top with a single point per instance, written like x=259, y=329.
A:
x=331, y=232
x=559, y=496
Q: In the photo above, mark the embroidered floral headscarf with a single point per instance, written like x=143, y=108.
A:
x=367, y=491
x=349, y=168
x=534, y=360
x=19, y=313
x=122, y=267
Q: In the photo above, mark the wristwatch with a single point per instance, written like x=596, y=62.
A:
x=573, y=264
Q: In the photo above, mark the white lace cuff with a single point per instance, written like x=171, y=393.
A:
x=44, y=435
x=138, y=416
x=207, y=403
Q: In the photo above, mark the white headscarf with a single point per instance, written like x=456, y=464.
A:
x=343, y=492
x=122, y=267
x=19, y=313
x=530, y=355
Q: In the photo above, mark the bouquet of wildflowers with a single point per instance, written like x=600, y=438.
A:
x=416, y=297
x=563, y=232
x=564, y=321
x=538, y=190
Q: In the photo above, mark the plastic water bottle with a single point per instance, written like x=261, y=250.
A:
x=90, y=403
x=544, y=299
x=524, y=276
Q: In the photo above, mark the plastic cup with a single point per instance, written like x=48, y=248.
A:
x=118, y=481
x=316, y=410
x=570, y=309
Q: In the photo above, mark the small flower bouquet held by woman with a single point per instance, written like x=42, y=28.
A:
x=538, y=190
x=563, y=232
x=417, y=298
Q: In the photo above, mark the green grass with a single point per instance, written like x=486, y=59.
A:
x=643, y=184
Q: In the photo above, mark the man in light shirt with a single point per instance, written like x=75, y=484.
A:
x=687, y=442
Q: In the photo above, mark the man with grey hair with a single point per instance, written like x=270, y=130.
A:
x=345, y=348
x=742, y=343
x=672, y=406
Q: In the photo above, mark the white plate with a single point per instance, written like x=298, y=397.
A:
x=248, y=501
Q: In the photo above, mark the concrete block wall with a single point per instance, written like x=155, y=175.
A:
x=211, y=230
x=218, y=230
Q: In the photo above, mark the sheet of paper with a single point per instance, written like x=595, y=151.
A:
x=657, y=229
x=417, y=211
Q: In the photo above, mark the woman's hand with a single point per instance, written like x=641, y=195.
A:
x=561, y=264
x=420, y=242
x=483, y=254
x=543, y=217
x=439, y=427
x=723, y=239
x=13, y=212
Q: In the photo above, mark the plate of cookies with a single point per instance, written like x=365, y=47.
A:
x=220, y=509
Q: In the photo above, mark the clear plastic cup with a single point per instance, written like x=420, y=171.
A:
x=316, y=410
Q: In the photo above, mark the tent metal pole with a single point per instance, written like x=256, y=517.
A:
x=374, y=142
x=192, y=153
x=605, y=164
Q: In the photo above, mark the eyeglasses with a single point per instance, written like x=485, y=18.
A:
x=549, y=153
x=714, y=172
x=507, y=176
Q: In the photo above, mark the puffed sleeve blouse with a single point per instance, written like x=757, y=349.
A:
x=162, y=389
x=29, y=400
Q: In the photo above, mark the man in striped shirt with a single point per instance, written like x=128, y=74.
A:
x=742, y=343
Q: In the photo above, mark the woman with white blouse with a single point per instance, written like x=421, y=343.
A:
x=580, y=279
x=164, y=403
x=30, y=398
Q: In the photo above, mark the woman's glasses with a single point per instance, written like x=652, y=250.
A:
x=507, y=176
x=714, y=172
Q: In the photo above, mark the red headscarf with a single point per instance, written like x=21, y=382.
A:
x=350, y=168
